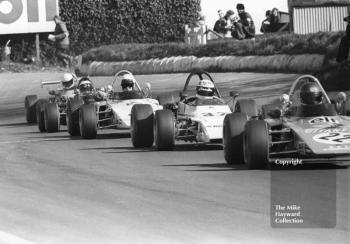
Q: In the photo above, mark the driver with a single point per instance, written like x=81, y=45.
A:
x=205, y=91
x=69, y=81
x=128, y=82
x=128, y=86
x=311, y=94
x=85, y=85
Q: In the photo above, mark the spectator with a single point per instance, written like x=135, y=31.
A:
x=244, y=28
x=61, y=40
x=266, y=24
x=343, y=50
x=275, y=20
x=230, y=20
x=220, y=24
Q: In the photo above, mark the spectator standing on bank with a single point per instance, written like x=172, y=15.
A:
x=266, y=24
x=343, y=50
x=220, y=24
x=61, y=40
x=244, y=28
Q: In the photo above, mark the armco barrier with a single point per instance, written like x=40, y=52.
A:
x=277, y=63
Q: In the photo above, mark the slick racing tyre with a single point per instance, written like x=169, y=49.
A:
x=72, y=118
x=247, y=106
x=40, y=118
x=256, y=144
x=29, y=105
x=88, y=121
x=164, y=130
x=51, y=117
x=142, y=125
x=234, y=126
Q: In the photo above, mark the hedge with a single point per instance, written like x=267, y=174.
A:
x=94, y=23
x=325, y=43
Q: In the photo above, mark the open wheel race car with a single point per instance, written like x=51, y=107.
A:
x=86, y=115
x=188, y=118
x=48, y=113
x=304, y=126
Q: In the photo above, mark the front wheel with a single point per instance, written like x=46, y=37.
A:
x=88, y=121
x=29, y=105
x=256, y=144
x=164, y=130
x=234, y=126
x=51, y=117
x=40, y=117
x=72, y=118
x=142, y=125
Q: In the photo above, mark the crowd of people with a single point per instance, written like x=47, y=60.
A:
x=241, y=25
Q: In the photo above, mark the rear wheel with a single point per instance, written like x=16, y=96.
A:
x=256, y=144
x=51, y=117
x=142, y=125
x=72, y=118
x=247, y=106
x=233, y=130
x=40, y=118
x=29, y=105
x=164, y=130
x=88, y=121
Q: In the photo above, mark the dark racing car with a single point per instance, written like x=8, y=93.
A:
x=304, y=126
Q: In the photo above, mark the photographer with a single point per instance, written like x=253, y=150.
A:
x=343, y=50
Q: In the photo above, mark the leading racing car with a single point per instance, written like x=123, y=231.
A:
x=304, y=126
x=196, y=116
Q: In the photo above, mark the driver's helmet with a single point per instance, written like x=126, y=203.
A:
x=205, y=89
x=311, y=94
x=68, y=81
x=85, y=85
x=128, y=82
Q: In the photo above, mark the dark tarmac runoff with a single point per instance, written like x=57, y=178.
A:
x=58, y=189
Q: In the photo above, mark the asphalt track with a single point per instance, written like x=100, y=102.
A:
x=57, y=189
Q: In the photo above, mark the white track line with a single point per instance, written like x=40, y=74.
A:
x=8, y=238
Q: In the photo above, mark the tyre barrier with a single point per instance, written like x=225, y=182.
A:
x=277, y=63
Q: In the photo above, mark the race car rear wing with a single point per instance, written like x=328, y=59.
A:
x=45, y=83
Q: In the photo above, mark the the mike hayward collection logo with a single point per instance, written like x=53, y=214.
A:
x=289, y=161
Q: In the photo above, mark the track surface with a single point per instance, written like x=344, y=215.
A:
x=57, y=189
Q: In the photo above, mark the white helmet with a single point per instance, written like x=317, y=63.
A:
x=205, y=89
x=68, y=81
x=128, y=80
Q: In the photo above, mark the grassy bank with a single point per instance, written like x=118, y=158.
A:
x=318, y=43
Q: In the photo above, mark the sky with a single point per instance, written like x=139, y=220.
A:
x=256, y=8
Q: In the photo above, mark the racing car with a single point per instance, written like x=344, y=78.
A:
x=187, y=118
x=305, y=125
x=48, y=113
x=87, y=116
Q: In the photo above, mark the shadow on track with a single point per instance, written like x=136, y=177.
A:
x=209, y=167
x=22, y=124
x=126, y=149
x=313, y=166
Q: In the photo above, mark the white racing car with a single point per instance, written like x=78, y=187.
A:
x=112, y=112
x=188, y=118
